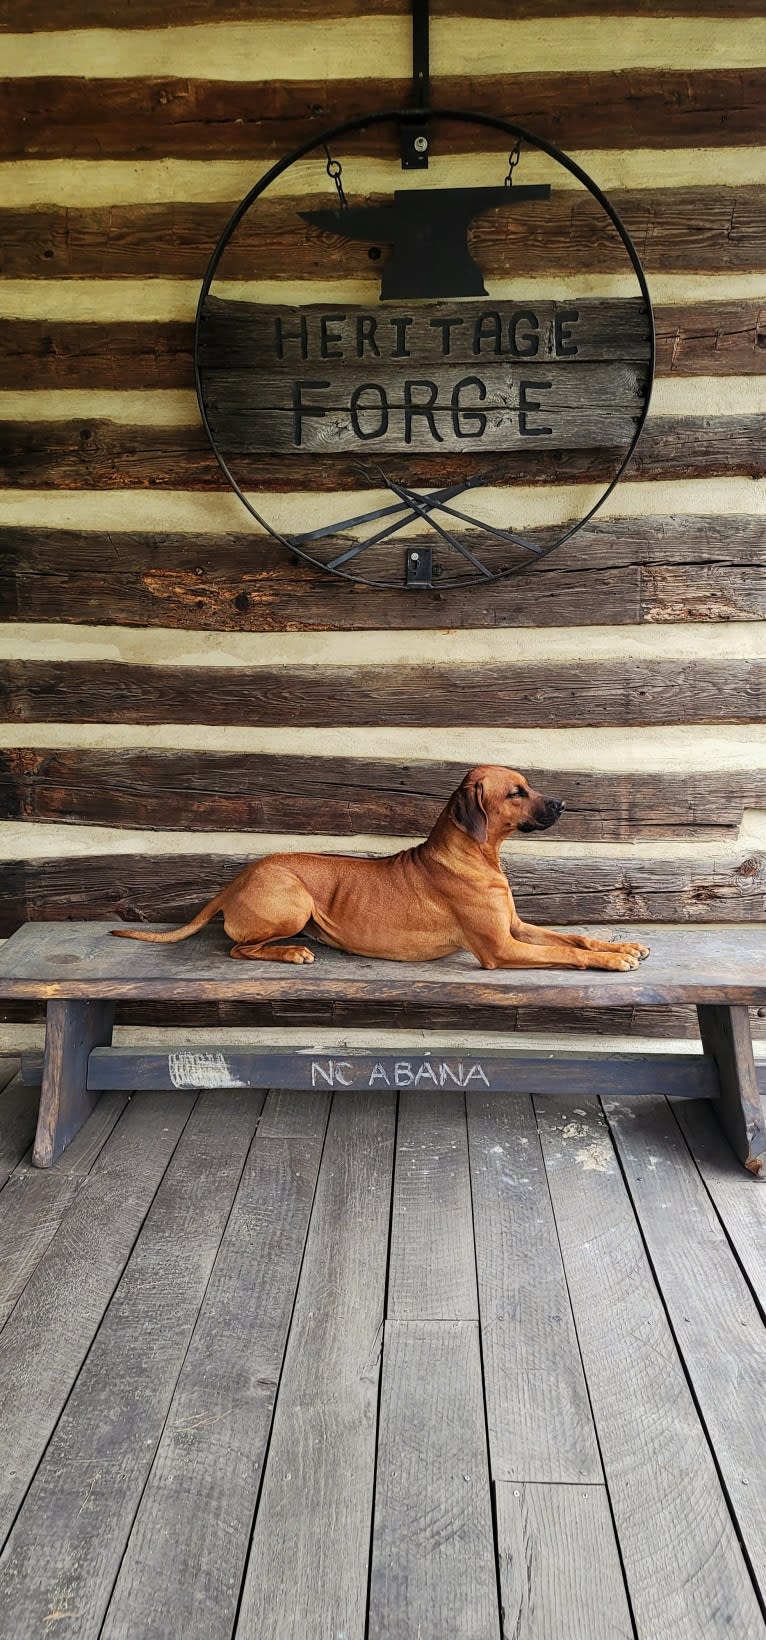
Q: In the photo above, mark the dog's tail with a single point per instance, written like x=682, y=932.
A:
x=174, y=934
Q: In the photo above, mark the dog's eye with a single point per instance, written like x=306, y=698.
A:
x=518, y=792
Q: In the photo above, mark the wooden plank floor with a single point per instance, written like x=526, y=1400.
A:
x=370, y=1368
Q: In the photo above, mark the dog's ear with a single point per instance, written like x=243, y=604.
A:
x=468, y=811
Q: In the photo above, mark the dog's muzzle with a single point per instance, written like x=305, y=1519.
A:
x=550, y=811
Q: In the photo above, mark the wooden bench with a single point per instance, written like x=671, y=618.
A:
x=82, y=972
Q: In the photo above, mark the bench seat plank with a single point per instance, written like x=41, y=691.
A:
x=81, y=959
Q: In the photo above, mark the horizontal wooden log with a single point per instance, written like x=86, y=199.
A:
x=551, y=695
x=72, y=354
x=700, y=230
x=197, y=119
x=53, y=14
x=700, y=339
x=109, y=455
x=710, y=339
x=331, y=796
x=678, y=1022
x=630, y=570
x=584, y=890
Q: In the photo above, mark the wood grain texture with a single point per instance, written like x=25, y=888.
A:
x=73, y=455
x=81, y=959
x=239, y=338
x=678, y=1022
x=138, y=888
x=559, y=1562
x=71, y=1030
x=308, y=1562
x=9, y=1068
x=685, y=1571
x=708, y=338
x=77, y=1516
x=546, y=695
x=724, y=1356
x=210, y=1460
x=198, y=119
x=72, y=354
x=700, y=230
x=336, y=796
x=429, y=1133
x=433, y=1569
x=740, y=1208
x=18, y=1120
x=432, y=1261
x=702, y=338
x=34, y=1202
x=662, y=569
x=725, y=1034
x=576, y=422
x=146, y=13
x=51, y=1329
x=538, y=1414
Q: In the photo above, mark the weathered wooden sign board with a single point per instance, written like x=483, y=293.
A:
x=436, y=388
x=460, y=376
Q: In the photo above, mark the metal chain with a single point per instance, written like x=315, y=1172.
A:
x=334, y=170
x=513, y=160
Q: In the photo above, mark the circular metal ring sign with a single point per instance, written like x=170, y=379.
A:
x=434, y=399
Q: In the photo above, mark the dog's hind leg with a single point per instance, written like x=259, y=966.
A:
x=284, y=908
x=265, y=952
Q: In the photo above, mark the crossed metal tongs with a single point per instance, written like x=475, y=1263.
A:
x=414, y=506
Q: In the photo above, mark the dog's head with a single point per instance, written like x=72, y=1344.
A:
x=491, y=803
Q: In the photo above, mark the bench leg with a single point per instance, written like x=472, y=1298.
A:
x=72, y=1028
x=725, y=1033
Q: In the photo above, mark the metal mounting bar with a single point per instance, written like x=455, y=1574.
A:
x=414, y=132
x=420, y=54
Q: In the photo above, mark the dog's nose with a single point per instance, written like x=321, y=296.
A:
x=557, y=804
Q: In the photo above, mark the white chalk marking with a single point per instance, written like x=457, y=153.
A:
x=201, y=1070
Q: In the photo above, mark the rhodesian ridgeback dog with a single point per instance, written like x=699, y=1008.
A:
x=448, y=894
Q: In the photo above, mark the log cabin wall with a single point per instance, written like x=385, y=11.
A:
x=179, y=696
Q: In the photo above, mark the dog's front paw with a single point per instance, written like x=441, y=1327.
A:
x=617, y=961
x=631, y=949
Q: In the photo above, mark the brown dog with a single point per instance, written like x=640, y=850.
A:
x=448, y=894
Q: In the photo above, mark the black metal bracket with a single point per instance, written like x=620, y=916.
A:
x=413, y=132
x=419, y=567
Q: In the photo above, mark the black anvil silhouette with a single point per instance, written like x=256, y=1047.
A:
x=428, y=228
